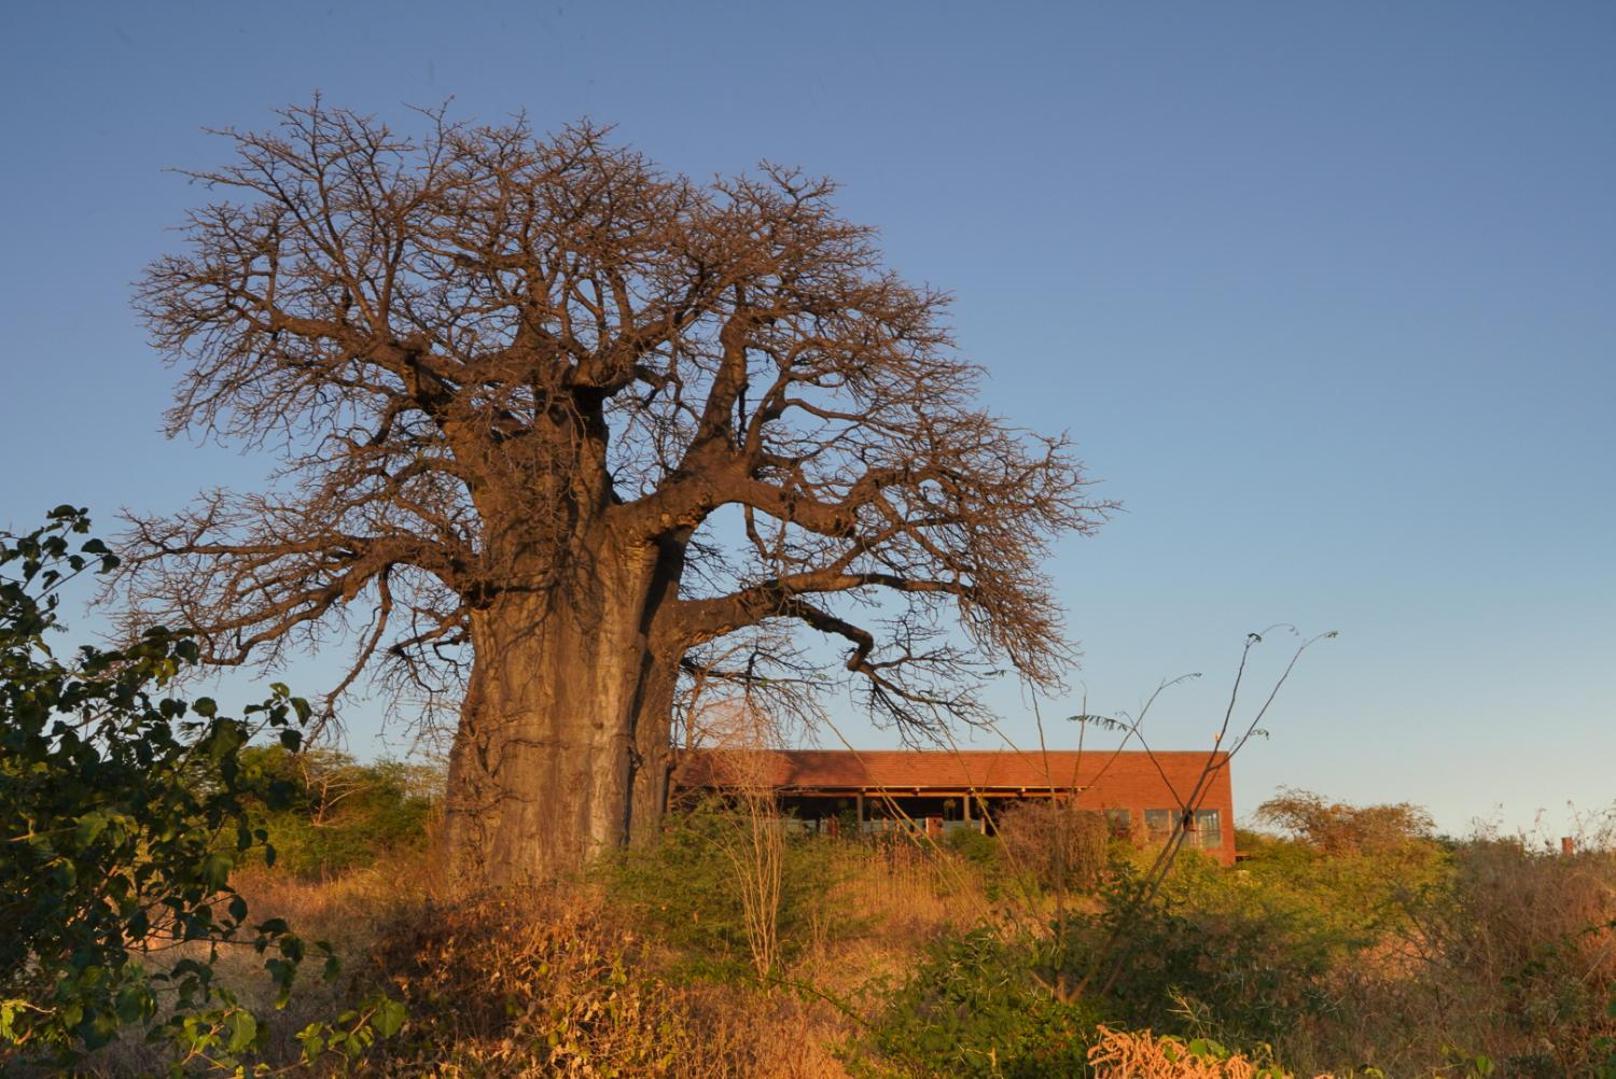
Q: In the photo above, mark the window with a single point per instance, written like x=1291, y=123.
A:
x=1119, y=822
x=1206, y=832
x=1206, y=827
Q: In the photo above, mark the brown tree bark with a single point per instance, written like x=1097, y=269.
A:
x=562, y=751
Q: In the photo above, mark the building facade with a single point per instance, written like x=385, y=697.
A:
x=1147, y=796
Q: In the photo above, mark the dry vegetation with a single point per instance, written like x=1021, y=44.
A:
x=1410, y=955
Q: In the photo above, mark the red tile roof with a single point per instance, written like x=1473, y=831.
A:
x=871, y=769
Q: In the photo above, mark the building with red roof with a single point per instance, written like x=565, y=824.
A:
x=1148, y=795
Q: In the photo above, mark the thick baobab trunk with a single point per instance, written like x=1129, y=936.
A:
x=562, y=751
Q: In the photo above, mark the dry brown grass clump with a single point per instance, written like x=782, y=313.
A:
x=1061, y=846
x=549, y=983
x=1121, y=1054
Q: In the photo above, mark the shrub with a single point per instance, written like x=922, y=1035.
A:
x=1210, y=955
x=336, y=814
x=551, y=983
x=1061, y=847
x=688, y=889
x=1337, y=828
x=123, y=809
x=1524, y=946
x=981, y=1005
x=1357, y=945
x=975, y=847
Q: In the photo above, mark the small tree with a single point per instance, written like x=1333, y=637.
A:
x=1337, y=828
x=121, y=813
x=750, y=833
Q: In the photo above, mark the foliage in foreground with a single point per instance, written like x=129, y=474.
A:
x=1360, y=944
x=1387, y=954
x=1430, y=960
x=1122, y=1054
x=123, y=809
x=978, y=1005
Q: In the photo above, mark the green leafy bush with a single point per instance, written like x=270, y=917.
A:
x=1215, y=956
x=123, y=810
x=974, y=846
x=981, y=1004
x=336, y=814
x=686, y=889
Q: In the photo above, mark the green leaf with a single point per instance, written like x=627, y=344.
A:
x=215, y=870
x=135, y=1003
x=389, y=1017
x=333, y=964
x=312, y=1038
x=243, y=1031
x=91, y=825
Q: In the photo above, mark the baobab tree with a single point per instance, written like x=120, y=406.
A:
x=557, y=428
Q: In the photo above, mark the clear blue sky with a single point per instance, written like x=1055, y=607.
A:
x=1326, y=293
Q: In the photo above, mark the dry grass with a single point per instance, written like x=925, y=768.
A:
x=351, y=912
x=536, y=983
x=887, y=904
x=552, y=983
x=1512, y=964
x=1121, y=1054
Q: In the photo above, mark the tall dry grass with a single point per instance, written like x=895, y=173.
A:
x=887, y=902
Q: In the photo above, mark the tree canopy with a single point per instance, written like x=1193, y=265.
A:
x=537, y=398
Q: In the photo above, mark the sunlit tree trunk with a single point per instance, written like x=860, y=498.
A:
x=563, y=744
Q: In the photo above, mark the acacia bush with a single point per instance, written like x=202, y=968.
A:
x=1338, y=828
